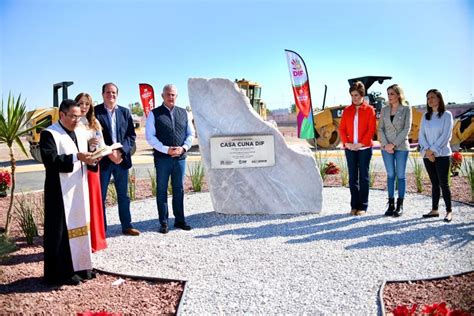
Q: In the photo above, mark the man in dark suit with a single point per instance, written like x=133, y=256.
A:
x=117, y=127
x=170, y=133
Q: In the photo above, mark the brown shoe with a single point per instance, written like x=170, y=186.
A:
x=360, y=212
x=131, y=232
x=353, y=212
x=433, y=213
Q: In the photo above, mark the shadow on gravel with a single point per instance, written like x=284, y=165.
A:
x=25, y=258
x=27, y=285
x=337, y=227
x=457, y=235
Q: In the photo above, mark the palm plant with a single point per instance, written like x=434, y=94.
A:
x=14, y=123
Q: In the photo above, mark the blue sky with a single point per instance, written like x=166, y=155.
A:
x=422, y=44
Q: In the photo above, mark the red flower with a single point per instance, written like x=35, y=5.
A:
x=5, y=180
x=403, y=310
x=331, y=168
x=456, y=156
x=435, y=310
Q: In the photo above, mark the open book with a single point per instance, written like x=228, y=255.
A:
x=105, y=150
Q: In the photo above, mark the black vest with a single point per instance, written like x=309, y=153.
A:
x=168, y=134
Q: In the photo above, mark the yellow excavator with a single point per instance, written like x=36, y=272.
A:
x=45, y=117
x=253, y=91
x=326, y=121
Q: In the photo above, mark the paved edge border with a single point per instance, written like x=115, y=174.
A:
x=384, y=282
x=139, y=277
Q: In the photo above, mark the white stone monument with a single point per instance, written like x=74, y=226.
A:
x=249, y=166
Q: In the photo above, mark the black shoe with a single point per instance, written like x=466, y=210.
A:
x=449, y=217
x=182, y=226
x=87, y=274
x=391, y=207
x=74, y=280
x=399, y=210
x=433, y=213
x=164, y=229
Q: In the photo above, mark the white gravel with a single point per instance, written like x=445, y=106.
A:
x=324, y=264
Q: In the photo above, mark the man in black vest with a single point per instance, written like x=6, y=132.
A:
x=170, y=133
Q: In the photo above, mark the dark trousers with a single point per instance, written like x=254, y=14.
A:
x=358, y=163
x=438, y=171
x=167, y=167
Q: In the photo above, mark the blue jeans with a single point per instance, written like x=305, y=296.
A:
x=395, y=165
x=167, y=167
x=358, y=163
x=121, y=186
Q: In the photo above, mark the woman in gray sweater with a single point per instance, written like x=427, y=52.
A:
x=394, y=127
x=435, y=135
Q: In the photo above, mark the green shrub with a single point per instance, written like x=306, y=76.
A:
x=418, y=172
x=170, y=187
x=197, y=176
x=112, y=193
x=321, y=164
x=344, y=171
x=372, y=173
x=25, y=209
x=152, y=176
x=6, y=246
x=132, y=184
x=467, y=170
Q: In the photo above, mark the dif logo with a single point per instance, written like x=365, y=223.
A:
x=297, y=68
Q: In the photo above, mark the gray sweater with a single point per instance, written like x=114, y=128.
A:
x=435, y=134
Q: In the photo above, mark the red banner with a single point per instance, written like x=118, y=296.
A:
x=147, y=96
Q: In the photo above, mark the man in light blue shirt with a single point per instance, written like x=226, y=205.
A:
x=170, y=133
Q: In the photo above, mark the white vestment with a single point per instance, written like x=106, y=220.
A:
x=75, y=192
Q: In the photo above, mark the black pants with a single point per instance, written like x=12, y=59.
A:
x=438, y=171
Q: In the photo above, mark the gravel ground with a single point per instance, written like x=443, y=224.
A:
x=329, y=263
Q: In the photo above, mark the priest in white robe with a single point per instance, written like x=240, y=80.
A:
x=64, y=151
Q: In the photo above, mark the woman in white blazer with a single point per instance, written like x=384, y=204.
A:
x=393, y=129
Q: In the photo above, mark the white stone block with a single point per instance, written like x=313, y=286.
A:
x=292, y=186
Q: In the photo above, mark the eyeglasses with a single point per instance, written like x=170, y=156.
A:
x=73, y=117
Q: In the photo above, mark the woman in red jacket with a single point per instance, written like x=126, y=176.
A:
x=357, y=129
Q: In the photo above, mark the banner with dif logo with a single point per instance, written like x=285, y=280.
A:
x=300, y=83
x=147, y=96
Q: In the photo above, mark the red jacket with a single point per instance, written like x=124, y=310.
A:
x=367, y=124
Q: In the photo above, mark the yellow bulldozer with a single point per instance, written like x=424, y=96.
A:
x=326, y=121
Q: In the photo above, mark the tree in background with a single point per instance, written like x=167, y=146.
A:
x=293, y=108
x=14, y=123
x=136, y=108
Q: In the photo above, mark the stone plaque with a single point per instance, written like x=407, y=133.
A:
x=242, y=151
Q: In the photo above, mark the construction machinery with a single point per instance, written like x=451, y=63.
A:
x=253, y=91
x=326, y=121
x=463, y=130
x=45, y=117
